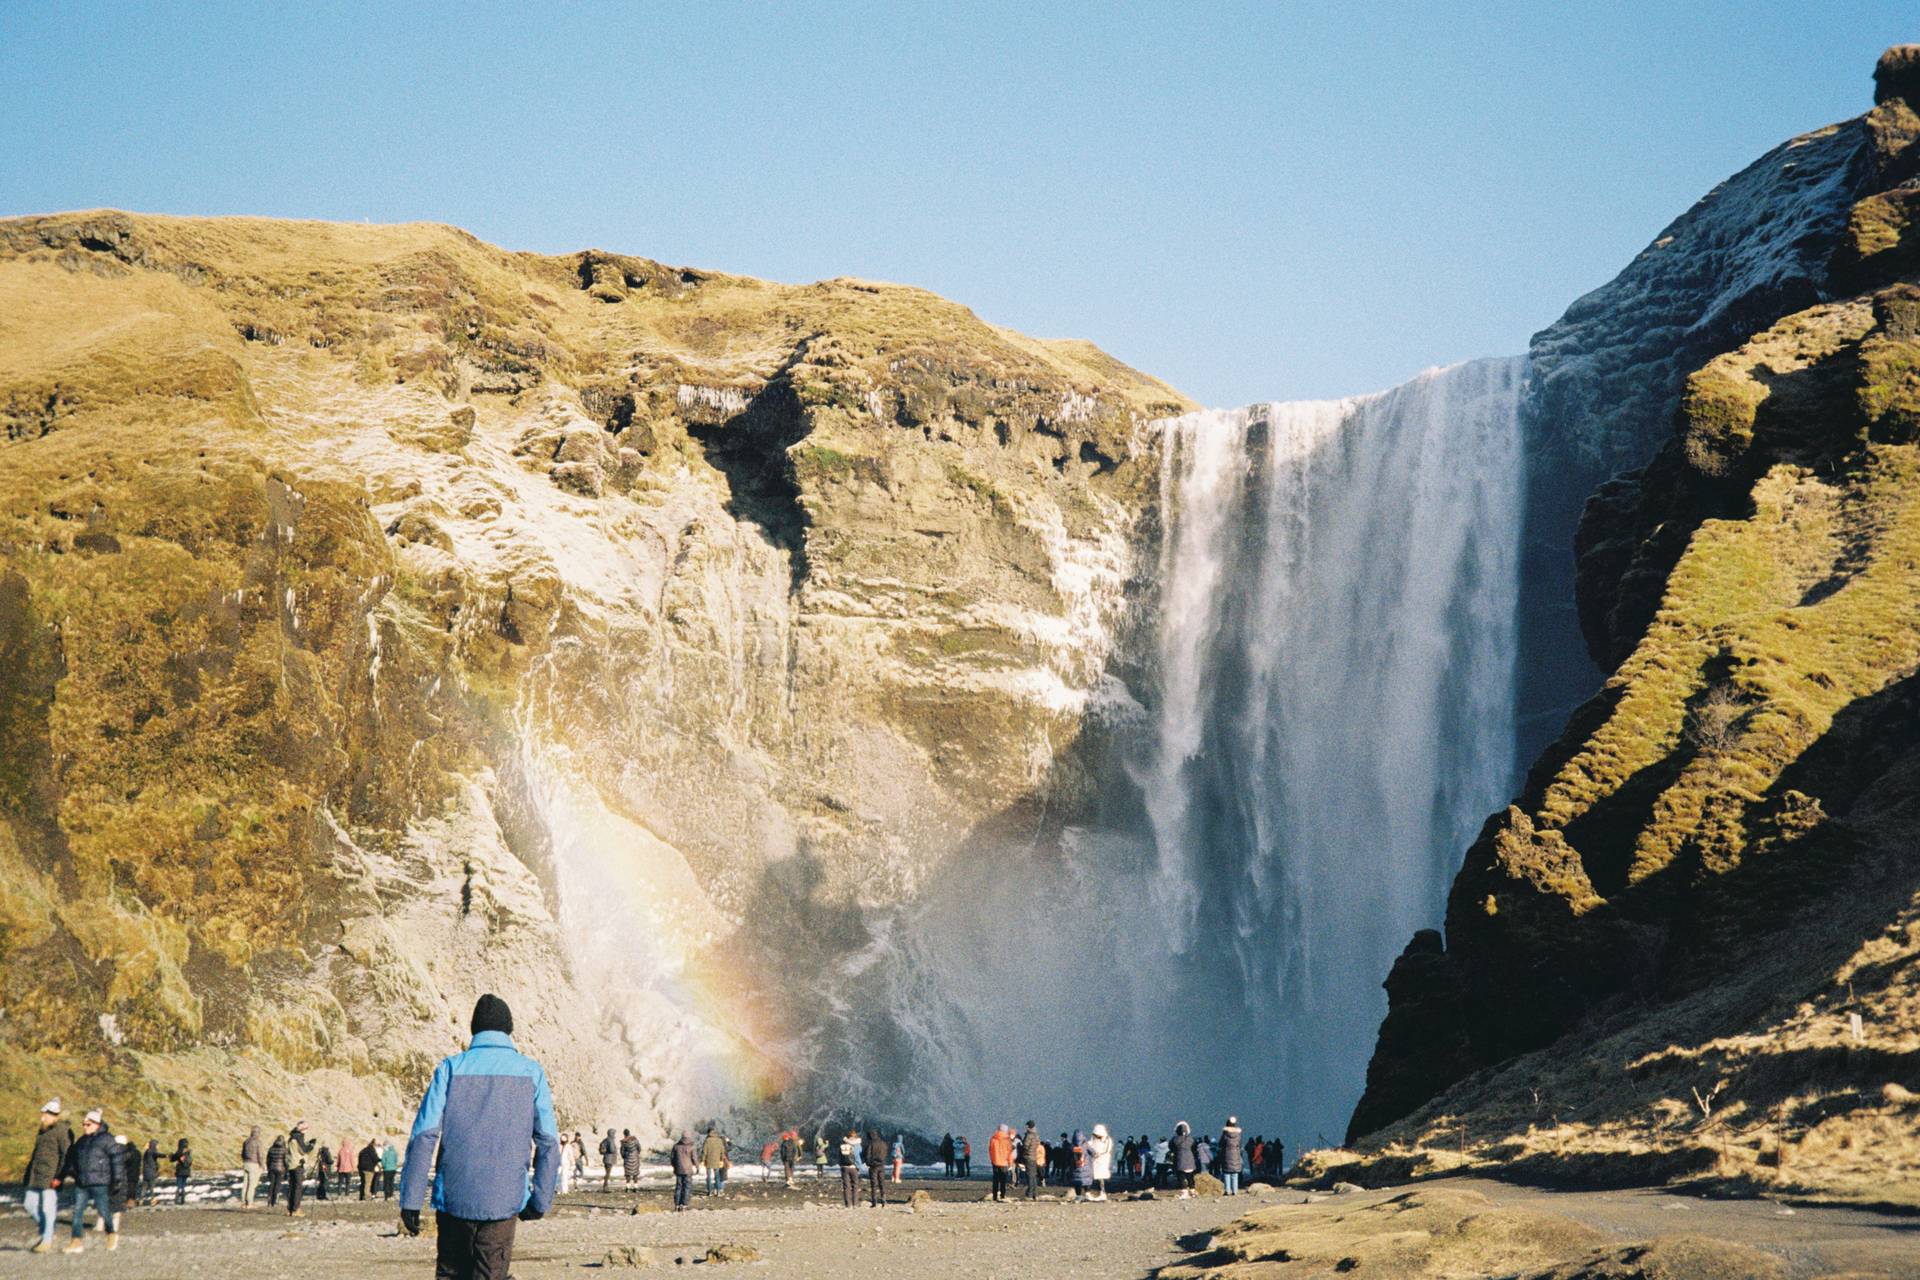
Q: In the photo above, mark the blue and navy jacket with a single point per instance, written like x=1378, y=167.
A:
x=484, y=1109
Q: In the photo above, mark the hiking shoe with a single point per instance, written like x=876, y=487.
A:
x=74, y=1246
x=41, y=1246
x=113, y=1242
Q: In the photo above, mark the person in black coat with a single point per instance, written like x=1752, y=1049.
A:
x=877, y=1156
x=182, y=1170
x=368, y=1164
x=149, y=1170
x=276, y=1167
x=128, y=1192
x=96, y=1172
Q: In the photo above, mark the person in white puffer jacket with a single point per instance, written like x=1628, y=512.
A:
x=1100, y=1156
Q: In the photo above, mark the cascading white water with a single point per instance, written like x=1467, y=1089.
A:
x=1327, y=718
x=1335, y=711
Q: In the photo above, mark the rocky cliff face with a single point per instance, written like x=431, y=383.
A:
x=1606, y=377
x=385, y=618
x=1688, y=946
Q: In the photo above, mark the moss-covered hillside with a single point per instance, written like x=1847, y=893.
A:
x=1691, y=945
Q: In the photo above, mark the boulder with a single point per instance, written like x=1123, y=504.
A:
x=1346, y=1188
x=1206, y=1184
x=920, y=1200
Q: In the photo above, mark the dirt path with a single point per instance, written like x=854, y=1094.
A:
x=808, y=1234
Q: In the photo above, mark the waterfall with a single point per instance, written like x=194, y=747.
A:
x=1334, y=720
x=1323, y=658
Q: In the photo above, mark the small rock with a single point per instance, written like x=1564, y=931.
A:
x=1346, y=1188
x=1898, y=1095
x=733, y=1253
x=921, y=1200
x=628, y=1255
x=1257, y=1189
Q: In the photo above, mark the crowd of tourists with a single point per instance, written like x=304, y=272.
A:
x=109, y=1173
x=486, y=1152
x=1086, y=1164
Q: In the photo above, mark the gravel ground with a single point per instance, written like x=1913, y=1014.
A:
x=807, y=1233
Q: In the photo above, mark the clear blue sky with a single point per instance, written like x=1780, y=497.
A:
x=1250, y=200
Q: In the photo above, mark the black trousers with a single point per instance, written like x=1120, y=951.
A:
x=1001, y=1176
x=320, y=1185
x=273, y=1185
x=877, y=1184
x=1033, y=1180
x=682, y=1190
x=296, y=1183
x=849, y=1185
x=386, y=1184
x=469, y=1250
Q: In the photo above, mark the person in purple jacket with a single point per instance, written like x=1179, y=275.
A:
x=483, y=1110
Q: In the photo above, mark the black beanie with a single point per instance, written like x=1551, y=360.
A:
x=490, y=1013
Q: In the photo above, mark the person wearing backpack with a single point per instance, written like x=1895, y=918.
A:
x=1079, y=1167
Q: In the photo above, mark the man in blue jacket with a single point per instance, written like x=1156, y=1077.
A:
x=483, y=1110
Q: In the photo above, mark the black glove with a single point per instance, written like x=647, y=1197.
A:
x=410, y=1221
x=531, y=1214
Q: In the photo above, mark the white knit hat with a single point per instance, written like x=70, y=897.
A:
x=94, y=1116
x=52, y=1108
